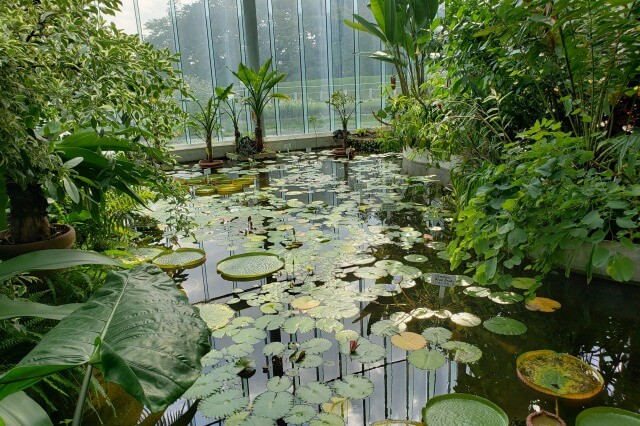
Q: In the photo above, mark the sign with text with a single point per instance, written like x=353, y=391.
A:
x=443, y=280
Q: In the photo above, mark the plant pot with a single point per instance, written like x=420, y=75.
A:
x=540, y=418
x=342, y=153
x=65, y=238
x=213, y=164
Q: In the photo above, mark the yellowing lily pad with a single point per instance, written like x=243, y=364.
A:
x=249, y=266
x=542, y=304
x=560, y=375
x=409, y=341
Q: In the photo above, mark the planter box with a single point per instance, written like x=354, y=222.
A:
x=581, y=258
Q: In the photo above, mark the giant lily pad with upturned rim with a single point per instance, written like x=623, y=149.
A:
x=183, y=258
x=607, y=416
x=460, y=408
x=249, y=266
x=558, y=374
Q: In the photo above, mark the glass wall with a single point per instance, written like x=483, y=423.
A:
x=306, y=39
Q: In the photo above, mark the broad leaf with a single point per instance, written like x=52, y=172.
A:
x=19, y=410
x=25, y=308
x=45, y=260
x=127, y=329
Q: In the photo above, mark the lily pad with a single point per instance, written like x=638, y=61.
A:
x=463, y=352
x=249, y=335
x=274, y=348
x=607, y=416
x=315, y=346
x=505, y=297
x=505, y=326
x=558, y=374
x=353, y=387
x=300, y=414
x=543, y=304
x=273, y=405
x=415, y=258
x=477, y=291
x=426, y=359
x=249, y=266
x=408, y=341
x=463, y=409
x=216, y=315
x=466, y=319
x=183, y=258
x=314, y=393
x=279, y=384
x=436, y=335
x=301, y=324
x=327, y=419
x=386, y=328
x=223, y=404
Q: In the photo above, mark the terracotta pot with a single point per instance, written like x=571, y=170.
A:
x=213, y=164
x=65, y=239
x=342, y=153
x=544, y=418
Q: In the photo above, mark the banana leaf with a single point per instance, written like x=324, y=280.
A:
x=138, y=329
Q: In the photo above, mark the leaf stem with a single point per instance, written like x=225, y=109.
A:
x=84, y=390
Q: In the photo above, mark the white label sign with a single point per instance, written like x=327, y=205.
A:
x=443, y=280
x=207, y=172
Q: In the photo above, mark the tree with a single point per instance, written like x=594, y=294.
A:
x=64, y=70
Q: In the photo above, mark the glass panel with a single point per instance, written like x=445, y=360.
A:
x=264, y=50
x=370, y=70
x=287, y=59
x=157, y=28
x=125, y=19
x=316, y=64
x=225, y=41
x=342, y=50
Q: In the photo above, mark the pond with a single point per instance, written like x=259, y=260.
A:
x=340, y=331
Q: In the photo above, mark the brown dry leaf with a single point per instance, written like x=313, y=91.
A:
x=408, y=341
x=542, y=304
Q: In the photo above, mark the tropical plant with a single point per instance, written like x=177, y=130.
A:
x=406, y=29
x=232, y=106
x=68, y=105
x=259, y=85
x=100, y=334
x=345, y=106
x=207, y=117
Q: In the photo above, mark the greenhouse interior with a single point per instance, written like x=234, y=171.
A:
x=320, y=212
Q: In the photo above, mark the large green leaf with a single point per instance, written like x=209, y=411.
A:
x=20, y=410
x=45, y=260
x=25, y=308
x=139, y=329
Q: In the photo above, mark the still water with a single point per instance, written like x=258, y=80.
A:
x=366, y=207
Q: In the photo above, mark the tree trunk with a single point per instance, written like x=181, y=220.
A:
x=28, y=221
x=258, y=134
x=236, y=134
x=344, y=135
x=209, y=148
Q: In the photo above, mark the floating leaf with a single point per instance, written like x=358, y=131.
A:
x=314, y=393
x=353, y=387
x=463, y=352
x=183, y=258
x=421, y=313
x=300, y=414
x=408, y=341
x=371, y=273
x=216, y=315
x=273, y=405
x=463, y=409
x=304, y=303
x=270, y=322
x=385, y=328
x=279, y=383
x=466, y=319
x=250, y=336
x=271, y=308
x=315, y=346
x=607, y=416
x=301, y=324
x=309, y=361
x=329, y=325
x=436, y=335
x=274, y=348
x=249, y=266
x=505, y=297
x=476, y=291
x=426, y=359
x=542, y=304
x=238, y=351
x=327, y=419
x=368, y=352
x=506, y=326
x=416, y=258
x=407, y=272
x=560, y=375
x=212, y=358
x=337, y=405
x=223, y=404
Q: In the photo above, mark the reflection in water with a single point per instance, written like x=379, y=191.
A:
x=598, y=323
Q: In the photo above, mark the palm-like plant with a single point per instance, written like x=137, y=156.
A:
x=259, y=85
x=344, y=105
x=233, y=108
x=207, y=117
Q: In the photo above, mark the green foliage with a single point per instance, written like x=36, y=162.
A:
x=100, y=332
x=549, y=195
x=207, y=118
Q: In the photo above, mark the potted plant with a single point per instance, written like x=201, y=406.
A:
x=207, y=120
x=344, y=105
x=58, y=141
x=259, y=85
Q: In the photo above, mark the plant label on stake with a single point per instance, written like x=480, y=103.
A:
x=287, y=146
x=443, y=281
x=207, y=172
